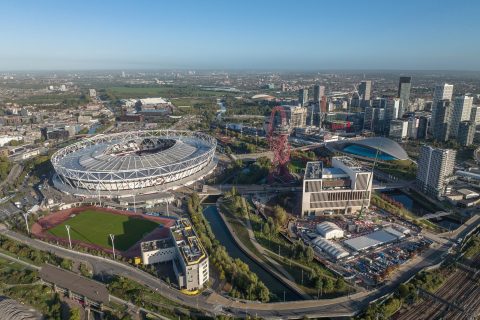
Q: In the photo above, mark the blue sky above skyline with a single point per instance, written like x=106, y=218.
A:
x=294, y=35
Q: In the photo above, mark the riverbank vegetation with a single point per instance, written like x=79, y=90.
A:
x=244, y=283
x=384, y=202
x=473, y=247
x=296, y=258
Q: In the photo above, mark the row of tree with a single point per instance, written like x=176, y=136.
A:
x=245, y=283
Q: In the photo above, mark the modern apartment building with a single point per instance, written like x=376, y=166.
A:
x=303, y=97
x=442, y=92
x=404, y=86
x=466, y=133
x=183, y=248
x=345, y=187
x=462, y=111
x=435, y=166
x=442, y=120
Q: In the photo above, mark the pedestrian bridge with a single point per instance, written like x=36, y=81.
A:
x=437, y=214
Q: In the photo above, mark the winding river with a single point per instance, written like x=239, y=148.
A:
x=221, y=232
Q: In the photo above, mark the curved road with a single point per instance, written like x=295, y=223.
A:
x=214, y=303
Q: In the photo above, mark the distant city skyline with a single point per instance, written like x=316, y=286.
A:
x=280, y=35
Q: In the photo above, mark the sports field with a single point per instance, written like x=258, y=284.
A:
x=94, y=227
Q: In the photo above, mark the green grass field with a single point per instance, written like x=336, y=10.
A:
x=94, y=227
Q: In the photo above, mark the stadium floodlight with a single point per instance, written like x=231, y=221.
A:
x=25, y=215
x=112, y=237
x=68, y=232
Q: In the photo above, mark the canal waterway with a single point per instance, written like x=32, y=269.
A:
x=222, y=234
x=420, y=210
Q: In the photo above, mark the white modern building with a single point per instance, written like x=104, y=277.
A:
x=329, y=230
x=343, y=188
x=434, y=167
x=398, y=129
x=462, y=111
x=442, y=92
x=183, y=248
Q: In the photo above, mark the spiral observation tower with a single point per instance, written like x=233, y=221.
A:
x=132, y=163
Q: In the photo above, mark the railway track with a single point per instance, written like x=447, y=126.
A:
x=462, y=289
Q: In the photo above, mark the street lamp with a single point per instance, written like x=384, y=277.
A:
x=25, y=215
x=112, y=237
x=68, y=232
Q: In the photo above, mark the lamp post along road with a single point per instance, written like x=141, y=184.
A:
x=68, y=232
x=25, y=215
x=112, y=237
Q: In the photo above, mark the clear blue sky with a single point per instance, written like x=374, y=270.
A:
x=241, y=34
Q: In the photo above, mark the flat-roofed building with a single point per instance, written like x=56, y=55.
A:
x=343, y=188
x=183, y=248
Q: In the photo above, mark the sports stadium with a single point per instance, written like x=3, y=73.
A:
x=132, y=163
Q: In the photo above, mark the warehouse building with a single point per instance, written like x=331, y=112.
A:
x=329, y=247
x=374, y=239
x=329, y=230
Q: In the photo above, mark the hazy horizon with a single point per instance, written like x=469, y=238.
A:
x=409, y=35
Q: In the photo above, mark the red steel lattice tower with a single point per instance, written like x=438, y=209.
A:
x=277, y=136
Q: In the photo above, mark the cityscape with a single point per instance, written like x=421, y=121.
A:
x=261, y=184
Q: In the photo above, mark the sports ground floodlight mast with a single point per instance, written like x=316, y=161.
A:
x=277, y=136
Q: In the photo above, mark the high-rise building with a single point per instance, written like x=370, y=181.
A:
x=443, y=113
x=442, y=92
x=303, y=97
x=392, y=111
x=296, y=116
x=475, y=115
x=434, y=167
x=466, y=133
x=413, y=123
x=462, y=111
x=318, y=93
x=422, y=127
x=364, y=90
x=398, y=129
x=404, y=87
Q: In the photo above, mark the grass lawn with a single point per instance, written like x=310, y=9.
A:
x=94, y=227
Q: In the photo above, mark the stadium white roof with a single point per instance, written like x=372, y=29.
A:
x=148, y=101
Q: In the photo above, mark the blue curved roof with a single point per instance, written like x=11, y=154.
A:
x=384, y=145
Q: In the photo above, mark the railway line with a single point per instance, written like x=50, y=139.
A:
x=462, y=289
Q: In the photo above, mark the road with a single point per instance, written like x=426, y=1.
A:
x=12, y=175
x=217, y=304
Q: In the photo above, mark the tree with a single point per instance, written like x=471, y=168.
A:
x=309, y=254
x=75, y=314
x=340, y=284
x=328, y=285
x=4, y=168
x=403, y=290
x=318, y=285
x=280, y=215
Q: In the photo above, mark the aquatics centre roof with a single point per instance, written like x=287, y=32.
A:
x=384, y=145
